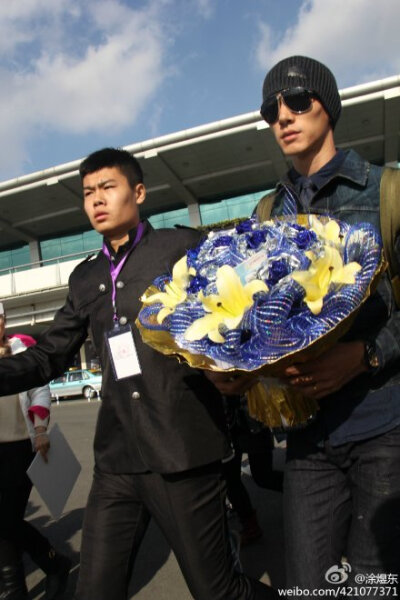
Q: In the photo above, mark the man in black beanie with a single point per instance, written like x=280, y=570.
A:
x=342, y=479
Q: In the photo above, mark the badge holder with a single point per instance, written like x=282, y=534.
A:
x=122, y=352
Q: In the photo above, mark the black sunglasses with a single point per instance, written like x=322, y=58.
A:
x=297, y=99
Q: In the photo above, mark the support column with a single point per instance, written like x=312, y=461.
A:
x=194, y=214
x=82, y=354
x=176, y=185
x=34, y=251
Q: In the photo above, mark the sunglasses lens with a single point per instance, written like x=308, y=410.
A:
x=297, y=101
x=269, y=110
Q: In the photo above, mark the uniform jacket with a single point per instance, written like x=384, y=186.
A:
x=369, y=404
x=169, y=418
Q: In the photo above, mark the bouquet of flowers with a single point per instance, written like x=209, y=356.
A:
x=260, y=296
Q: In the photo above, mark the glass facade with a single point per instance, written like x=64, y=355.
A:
x=60, y=248
x=71, y=244
x=242, y=206
x=170, y=218
x=10, y=259
x=212, y=212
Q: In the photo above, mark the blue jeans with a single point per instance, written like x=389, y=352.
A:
x=339, y=502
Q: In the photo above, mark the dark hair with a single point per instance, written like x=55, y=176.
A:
x=113, y=157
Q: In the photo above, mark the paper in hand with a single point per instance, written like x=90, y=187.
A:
x=55, y=479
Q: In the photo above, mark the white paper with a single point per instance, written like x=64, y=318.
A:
x=55, y=479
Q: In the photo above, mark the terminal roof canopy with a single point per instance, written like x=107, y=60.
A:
x=204, y=164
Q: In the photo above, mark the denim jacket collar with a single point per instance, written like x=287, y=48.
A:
x=353, y=168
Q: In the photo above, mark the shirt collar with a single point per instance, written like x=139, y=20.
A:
x=123, y=249
x=353, y=167
x=321, y=177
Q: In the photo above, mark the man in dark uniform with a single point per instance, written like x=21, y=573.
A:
x=159, y=437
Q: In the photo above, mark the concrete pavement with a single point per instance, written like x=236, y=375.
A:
x=156, y=574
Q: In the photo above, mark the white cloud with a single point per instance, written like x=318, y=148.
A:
x=25, y=21
x=357, y=39
x=99, y=80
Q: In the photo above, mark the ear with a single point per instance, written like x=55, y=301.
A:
x=140, y=191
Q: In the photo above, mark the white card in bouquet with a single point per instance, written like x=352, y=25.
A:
x=247, y=269
x=55, y=479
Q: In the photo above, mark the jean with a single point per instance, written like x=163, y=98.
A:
x=341, y=501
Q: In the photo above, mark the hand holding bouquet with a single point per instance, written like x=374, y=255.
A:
x=261, y=296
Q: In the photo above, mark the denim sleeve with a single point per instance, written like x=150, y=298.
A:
x=387, y=342
x=388, y=338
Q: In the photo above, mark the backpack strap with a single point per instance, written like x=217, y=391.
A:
x=390, y=224
x=264, y=206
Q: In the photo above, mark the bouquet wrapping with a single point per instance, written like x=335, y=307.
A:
x=261, y=296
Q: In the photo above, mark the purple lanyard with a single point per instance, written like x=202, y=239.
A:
x=115, y=270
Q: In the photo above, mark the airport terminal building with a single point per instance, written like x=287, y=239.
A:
x=196, y=176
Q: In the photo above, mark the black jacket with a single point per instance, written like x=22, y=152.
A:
x=169, y=418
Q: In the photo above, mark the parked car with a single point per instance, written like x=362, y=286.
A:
x=76, y=383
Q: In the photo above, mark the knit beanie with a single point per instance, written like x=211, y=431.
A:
x=301, y=71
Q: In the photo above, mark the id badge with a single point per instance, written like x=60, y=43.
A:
x=122, y=352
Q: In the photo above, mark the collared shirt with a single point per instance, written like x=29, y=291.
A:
x=116, y=256
x=307, y=187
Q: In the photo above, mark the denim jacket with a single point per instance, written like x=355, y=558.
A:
x=369, y=404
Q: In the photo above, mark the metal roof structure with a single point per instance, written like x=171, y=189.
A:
x=208, y=163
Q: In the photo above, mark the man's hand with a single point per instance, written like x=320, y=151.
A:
x=329, y=372
x=42, y=442
x=232, y=383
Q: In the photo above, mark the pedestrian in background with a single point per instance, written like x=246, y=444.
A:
x=24, y=418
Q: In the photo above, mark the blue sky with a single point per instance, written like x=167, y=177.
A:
x=77, y=75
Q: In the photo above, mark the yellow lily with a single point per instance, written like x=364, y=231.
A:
x=329, y=232
x=322, y=272
x=225, y=308
x=175, y=290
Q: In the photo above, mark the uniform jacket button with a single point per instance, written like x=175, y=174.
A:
x=135, y=395
x=123, y=321
x=102, y=287
x=120, y=284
